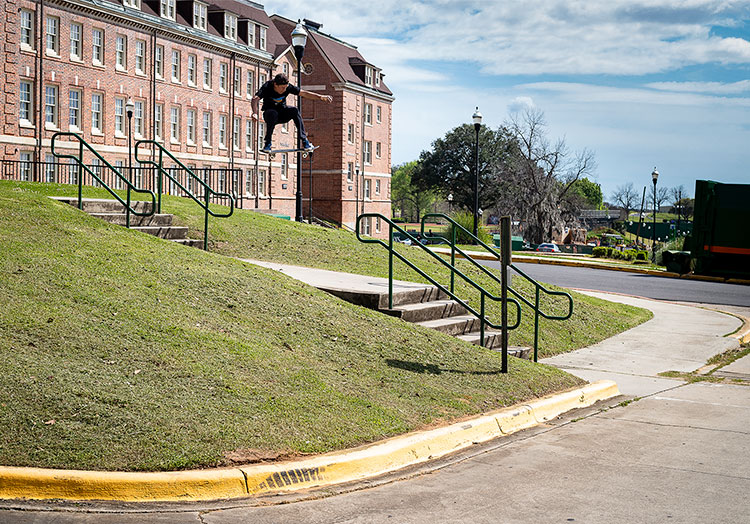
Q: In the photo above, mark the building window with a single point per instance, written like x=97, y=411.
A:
x=97, y=47
x=350, y=134
x=262, y=77
x=262, y=39
x=368, y=114
x=377, y=149
x=192, y=61
x=175, y=124
x=138, y=119
x=191, y=126
x=285, y=68
x=377, y=187
x=237, y=81
x=262, y=182
x=206, y=128
x=140, y=57
x=121, y=53
x=230, y=26
x=74, y=109
x=261, y=134
x=349, y=171
x=120, y=116
x=199, y=15
x=175, y=66
x=249, y=135
x=223, y=131
x=368, y=183
x=250, y=84
x=251, y=34
x=236, y=133
x=27, y=29
x=53, y=35
x=167, y=9
x=207, y=73
x=158, y=121
x=249, y=182
x=49, y=168
x=135, y=4
x=284, y=166
x=379, y=114
x=368, y=75
x=50, y=106
x=75, y=41
x=223, y=71
x=26, y=101
x=368, y=152
x=377, y=224
x=159, y=61
x=96, y=113
x=24, y=168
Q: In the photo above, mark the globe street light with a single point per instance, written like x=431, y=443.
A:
x=299, y=40
x=477, y=118
x=654, y=177
x=129, y=106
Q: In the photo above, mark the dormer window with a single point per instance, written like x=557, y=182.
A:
x=167, y=9
x=251, y=34
x=230, y=26
x=377, y=80
x=368, y=75
x=136, y=4
x=200, y=12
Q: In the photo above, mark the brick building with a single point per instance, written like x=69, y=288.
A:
x=191, y=67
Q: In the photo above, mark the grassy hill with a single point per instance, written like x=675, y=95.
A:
x=120, y=351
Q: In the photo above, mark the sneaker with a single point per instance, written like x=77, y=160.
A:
x=307, y=146
x=266, y=148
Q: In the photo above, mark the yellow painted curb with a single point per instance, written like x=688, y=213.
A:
x=324, y=470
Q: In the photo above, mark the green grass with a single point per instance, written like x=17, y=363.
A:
x=120, y=351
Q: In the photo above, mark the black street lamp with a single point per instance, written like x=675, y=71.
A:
x=129, y=106
x=654, y=177
x=299, y=40
x=477, y=118
x=450, y=202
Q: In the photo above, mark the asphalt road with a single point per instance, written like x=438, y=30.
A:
x=662, y=288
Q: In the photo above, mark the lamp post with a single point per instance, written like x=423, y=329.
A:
x=356, y=190
x=654, y=177
x=450, y=202
x=299, y=39
x=477, y=118
x=129, y=106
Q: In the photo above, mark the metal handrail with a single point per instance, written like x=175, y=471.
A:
x=79, y=160
x=483, y=292
x=207, y=189
x=538, y=287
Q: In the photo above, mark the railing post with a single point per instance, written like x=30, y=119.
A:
x=453, y=255
x=481, y=321
x=505, y=254
x=80, y=175
x=158, y=182
x=390, y=266
x=536, y=325
x=205, y=221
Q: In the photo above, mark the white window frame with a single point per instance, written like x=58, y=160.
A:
x=121, y=53
x=378, y=149
x=159, y=122
x=51, y=106
x=368, y=188
x=26, y=103
x=379, y=114
x=97, y=107
x=285, y=166
x=230, y=26
x=350, y=172
x=237, y=81
x=368, y=114
x=223, y=131
x=176, y=66
x=262, y=40
x=200, y=15
x=236, y=133
x=206, y=128
x=167, y=9
x=159, y=61
x=250, y=83
x=140, y=57
x=350, y=134
x=135, y=4
x=261, y=134
x=249, y=186
x=191, y=68
x=75, y=97
x=368, y=152
x=76, y=41
x=223, y=76
x=190, y=120
x=249, y=134
x=368, y=75
x=251, y=34
x=377, y=186
x=52, y=36
x=24, y=168
x=119, y=116
x=27, y=22
x=138, y=119
x=207, y=73
x=262, y=178
x=174, y=124
x=97, y=46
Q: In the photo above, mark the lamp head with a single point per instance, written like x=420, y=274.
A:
x=129, y=105
x=450, y=197
x=299, y=39
x=655, y=176
x=477, y=118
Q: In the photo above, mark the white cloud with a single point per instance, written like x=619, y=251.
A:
x=520, y=103
x=718, y=88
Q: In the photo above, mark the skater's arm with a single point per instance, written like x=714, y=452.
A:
x=254, y=105
x=315, y=96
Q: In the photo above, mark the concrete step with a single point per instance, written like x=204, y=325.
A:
x=423, y=311
x=493, y=340
x=457, y=325
x=169, y=232
x=416, y=295
x=190, y=242
x=104, y=205
x=119, y=219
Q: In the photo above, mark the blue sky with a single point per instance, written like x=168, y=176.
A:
x=641, y=83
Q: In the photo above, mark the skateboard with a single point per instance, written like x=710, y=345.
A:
x=305, y=152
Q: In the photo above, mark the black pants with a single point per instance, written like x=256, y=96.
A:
x=283, y=115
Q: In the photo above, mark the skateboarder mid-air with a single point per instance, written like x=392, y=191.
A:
x=275, y=110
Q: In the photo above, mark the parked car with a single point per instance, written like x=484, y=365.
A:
x=548, y=248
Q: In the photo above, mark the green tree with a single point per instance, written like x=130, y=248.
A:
x=590, y=192
x=410, y=198
x=449, y=166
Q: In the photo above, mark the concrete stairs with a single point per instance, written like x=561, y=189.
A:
x=158, y=225
x=433, y=309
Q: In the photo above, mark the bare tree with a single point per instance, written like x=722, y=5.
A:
x=662, y=195
x=540, y=176
x=626, y=197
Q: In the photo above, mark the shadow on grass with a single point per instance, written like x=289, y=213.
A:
x=432, y=369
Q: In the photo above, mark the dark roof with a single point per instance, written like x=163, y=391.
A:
x=343, y=56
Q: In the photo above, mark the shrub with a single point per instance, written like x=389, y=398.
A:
x=599, y=252
x=466, y=220
x=641, y=255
